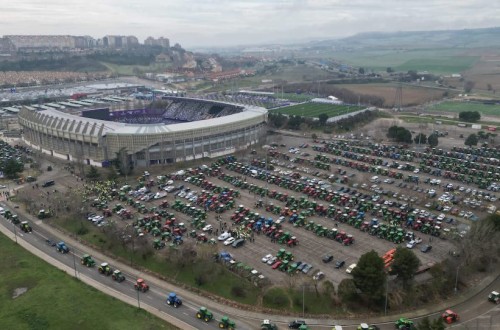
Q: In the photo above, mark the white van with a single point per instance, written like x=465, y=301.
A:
x=375, y=179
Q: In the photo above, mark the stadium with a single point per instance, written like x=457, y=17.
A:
x=171, y=130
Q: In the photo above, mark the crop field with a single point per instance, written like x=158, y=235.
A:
x=484, y=109
x=412, y=95
x=315, y=109
x=440, y=61
x=54, y=300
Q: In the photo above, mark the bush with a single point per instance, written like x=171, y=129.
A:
x=238, y=291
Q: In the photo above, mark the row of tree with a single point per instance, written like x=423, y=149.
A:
x=401, y=134
x=469, y=116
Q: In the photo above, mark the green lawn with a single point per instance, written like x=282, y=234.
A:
x=484, y=109
x=295, y=97
x=55, y=300
x=315, y=109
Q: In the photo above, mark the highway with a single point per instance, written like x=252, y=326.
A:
x=475, y=311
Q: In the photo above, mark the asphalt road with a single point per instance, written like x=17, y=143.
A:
x=154, y=298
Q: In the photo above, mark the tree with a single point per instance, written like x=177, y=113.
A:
x=471, y=140
x=347, y=290
x=369, y=276
x=322, y=119
x=361, y=70
x=470, y=116
x=490, y=88
x=405, y=264
x=433, y=140
x=421, y=138
x=11, y=168
x=93, y=174
x=400, y=134
x=426, y=324
x=468, y=86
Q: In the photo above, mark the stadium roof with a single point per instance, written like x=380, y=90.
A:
x=124, y=128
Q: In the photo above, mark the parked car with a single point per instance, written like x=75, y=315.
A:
x=319, y=276
x=339, y=264
x=327, y=258
x=350, y=268
x=426, y=248
x=267, y=258
x=271, y=261
x=239, y=242
x=224, y=236
x=411, y=244
x=229, y=241
x=307, y=268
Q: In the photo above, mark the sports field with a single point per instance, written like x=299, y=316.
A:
x=484, y=109
x=311, y=109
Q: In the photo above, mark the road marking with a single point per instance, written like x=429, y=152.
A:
x=185, y=313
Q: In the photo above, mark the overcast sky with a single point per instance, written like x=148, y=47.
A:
x=241, y=22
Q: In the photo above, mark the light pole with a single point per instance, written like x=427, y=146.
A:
x=303, y=301
x=15, y=231
x=138, y=301
x=74, y=263
x=456, y=280
x=386, y=293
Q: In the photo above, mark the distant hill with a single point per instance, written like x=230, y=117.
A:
x=468, y=38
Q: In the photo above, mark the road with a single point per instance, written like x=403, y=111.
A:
x=154, y=300
x=475, y=311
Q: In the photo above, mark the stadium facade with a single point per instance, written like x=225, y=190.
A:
x=96, y=142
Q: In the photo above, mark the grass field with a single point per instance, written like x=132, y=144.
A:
x=484, y=109
x=295, y=97
x=315, y=109
x=55, y=300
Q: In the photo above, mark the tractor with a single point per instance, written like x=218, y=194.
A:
x=26, y=227
x=226, y=323
x=43, y=214
x=87, y=260
x=450, y=316
x=494, y=297
x=158, y=244
x=267, y=325
x=141, y=285
x=118, y=276
x=173, y=300
x=365, y=326
x=404, y=324
x=105, y=269
x=204, y=314
x=61, y=247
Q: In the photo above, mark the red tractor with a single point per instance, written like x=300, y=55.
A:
x=293, y=241
x=450, y=316
x=141, y=285
x=348, y=240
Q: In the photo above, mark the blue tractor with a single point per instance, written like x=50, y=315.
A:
x=62, y=247
x=173, y=300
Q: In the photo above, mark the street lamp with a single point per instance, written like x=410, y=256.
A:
x=266, y=148
x=386, y=293
x=138, y=301
x=456, y=279
x=74, y=263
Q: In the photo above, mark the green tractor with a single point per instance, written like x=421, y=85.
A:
x=118, y=276
x=87, y=260
x=494, y=297
x=404, y=324
x=158, y=244
x=226, y=323
x=105, y=269
x=25, y=226
x=267, y=325
x=204, y=314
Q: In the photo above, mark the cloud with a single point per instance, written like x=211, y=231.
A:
x=229, y=22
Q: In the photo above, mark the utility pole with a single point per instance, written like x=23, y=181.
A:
x=456, y=280
x=15, y=232
x=138, y=301
x=74, y=263
x=386, y=293
x=303, y=300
